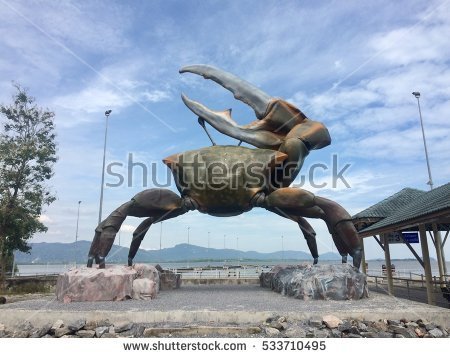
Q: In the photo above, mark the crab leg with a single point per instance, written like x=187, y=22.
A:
x=307, y=230
x=296, y=201
x=159, y=204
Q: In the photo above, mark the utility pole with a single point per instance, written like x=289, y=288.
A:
x=76, y=233
x=107, y=113
x=430, y=180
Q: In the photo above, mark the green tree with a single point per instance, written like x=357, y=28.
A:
x=27, y=156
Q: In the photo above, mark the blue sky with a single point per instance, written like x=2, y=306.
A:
x=351, y=65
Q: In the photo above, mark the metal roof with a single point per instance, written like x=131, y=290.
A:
x=390, y=205
x=427, y=203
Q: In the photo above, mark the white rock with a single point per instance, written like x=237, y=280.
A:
x=58, y=324
x=331, y=321
x=271, y=332
x=436, y=333
x=144, y=289
x=149, y=272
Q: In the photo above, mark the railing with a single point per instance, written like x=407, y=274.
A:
x=221, y=273
x=414, y=289
x=400, y=273
x=419, y=281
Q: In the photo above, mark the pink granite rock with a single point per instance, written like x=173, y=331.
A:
x=114, y=283
x=144, y=289
x=148, y=271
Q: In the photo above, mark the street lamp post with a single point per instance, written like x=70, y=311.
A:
x=160, y=241
x=208, y=246
x=188, y=251
x=430, y=180
x=107, y=113
x=160, y=236
x=76, y=233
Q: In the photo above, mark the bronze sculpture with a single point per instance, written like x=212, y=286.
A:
x=230, y=180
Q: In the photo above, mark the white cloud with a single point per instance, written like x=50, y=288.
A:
x=92, y=100
x=426, y=40
x=45, y=219
x=127, y=228
x=156, y=96
x=337, y=103
x=71, y=23
x=115, y=87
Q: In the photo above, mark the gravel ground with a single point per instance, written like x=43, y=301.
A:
x=249, y=298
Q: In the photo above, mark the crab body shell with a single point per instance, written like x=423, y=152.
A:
x=222, y=180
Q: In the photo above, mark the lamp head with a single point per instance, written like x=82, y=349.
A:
x=108, y=112
x=416, y=94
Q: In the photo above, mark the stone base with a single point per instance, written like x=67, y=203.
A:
x=318, y=282
x=169, y=280
x=114, y=283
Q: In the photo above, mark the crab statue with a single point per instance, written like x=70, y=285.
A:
x=230, y=180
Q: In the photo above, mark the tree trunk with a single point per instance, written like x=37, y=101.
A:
x=2, y=266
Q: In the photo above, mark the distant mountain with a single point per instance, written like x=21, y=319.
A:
x=43, y=252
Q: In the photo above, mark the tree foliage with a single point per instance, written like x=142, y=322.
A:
x=27, y=156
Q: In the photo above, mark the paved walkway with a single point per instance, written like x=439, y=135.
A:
x=221, y=304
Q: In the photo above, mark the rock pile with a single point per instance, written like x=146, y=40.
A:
x=313, y=282
x=277, y=327
x=114, y=283
x=333, y=327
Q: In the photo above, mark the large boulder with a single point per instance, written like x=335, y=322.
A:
x=150, y=273
x=144, y=289
x=326, y=282
x=114, y=283
x=167, y=279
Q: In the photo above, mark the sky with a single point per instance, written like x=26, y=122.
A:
x=349, y=64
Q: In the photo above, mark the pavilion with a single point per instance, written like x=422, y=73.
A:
x=410, y=210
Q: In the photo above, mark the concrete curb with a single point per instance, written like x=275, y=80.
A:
x=15, y=317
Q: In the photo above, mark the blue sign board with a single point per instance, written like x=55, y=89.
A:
x=411, y=237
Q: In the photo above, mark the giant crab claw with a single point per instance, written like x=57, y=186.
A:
x=241, y=89
x=221, y=120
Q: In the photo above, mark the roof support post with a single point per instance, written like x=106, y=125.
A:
x=432, y=237
x=408, y=245
x=426, y=261
x=379, y=242
x=387, y=256
x=445, y=239
x=439, y=252
x=363, y=258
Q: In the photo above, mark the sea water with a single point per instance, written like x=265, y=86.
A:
x=403, y=268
